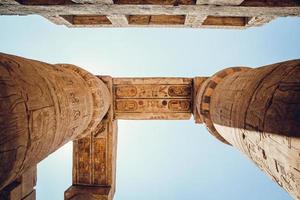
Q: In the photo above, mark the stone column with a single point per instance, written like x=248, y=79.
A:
x=258, y=112
x=42, y=107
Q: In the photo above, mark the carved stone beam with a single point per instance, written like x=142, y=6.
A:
x=112, y=9
x=152, y=98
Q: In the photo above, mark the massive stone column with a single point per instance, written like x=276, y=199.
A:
x=42, y=107
x=258, y=112
x=94, y=159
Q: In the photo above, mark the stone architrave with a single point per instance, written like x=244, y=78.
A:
x=152, y=98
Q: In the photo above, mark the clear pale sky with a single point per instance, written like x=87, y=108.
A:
x=159, y=160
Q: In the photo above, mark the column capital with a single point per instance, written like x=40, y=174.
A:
x=203, y=98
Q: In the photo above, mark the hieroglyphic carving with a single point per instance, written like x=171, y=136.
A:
x=257, y=111
x=152, y=105
x=152, y=91
x=94, y=159
x=278, y=156
x=92, y=163
x=152, y=98
x=42, y=107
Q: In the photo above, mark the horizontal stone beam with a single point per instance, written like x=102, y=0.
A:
x=105, y=9
x=220, y=2
x=152, y=98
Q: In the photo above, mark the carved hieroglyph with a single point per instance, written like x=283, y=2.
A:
x=42, y=107
x=258, y=112
x=94, y=160
x=152, y=98
x=94, y=164
x=94, y=156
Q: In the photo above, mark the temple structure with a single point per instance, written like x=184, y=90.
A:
x=43, y=106
x=236, y=14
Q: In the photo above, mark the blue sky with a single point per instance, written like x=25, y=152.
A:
x=159, y=160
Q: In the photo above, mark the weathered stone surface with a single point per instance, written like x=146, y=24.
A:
x=197, y=83
x=22, y=188
x=94, y=156
x=86, y=192
x=194, y=21
x=271, y=103
x=258, y=112
x=235, y=14
x=156, y=19
x=118, y=20
x=42, y=107
x=152, y=98
x=31, y=196
x=276, y=155
x=204, y=95
x=86, y=19
x=156, y=2
x=220, y=2
x=94, y=159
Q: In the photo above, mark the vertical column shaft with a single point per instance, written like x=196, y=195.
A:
x=42, y=107
x=258, y=112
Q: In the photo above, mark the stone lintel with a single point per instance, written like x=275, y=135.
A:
x=152, y=98
x=112, y=9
